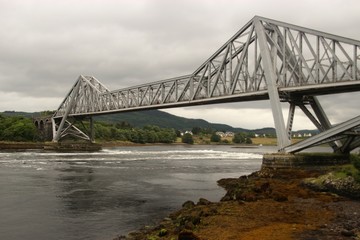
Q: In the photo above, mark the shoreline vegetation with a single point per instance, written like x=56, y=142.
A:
x=20, y=132
x=268, y=204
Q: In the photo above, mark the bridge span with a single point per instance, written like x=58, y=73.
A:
x=265, y=59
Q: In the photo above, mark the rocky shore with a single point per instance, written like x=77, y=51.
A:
x=268, y=204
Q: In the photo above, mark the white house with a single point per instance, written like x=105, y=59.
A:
x=221, y=134
x=229, y=134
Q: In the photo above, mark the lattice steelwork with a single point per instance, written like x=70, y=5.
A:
x=266, y=59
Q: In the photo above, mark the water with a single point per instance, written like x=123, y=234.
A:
x=50, y=195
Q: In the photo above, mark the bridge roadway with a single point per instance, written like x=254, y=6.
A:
x=285, y=93
x=266, y=59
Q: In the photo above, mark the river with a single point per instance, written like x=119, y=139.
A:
x=99, y=195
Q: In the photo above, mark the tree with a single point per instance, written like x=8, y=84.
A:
x=196, y=130
x=239, y=138
x=123, y=125
x=142, y=136
x=152, y=137
x=152, y=128
x=17, y=129
x=207, y=130
x=215, y=138
x=187, y=138
x=167, y=136
x=102, y=131
x=178, y=133
x=248, y=140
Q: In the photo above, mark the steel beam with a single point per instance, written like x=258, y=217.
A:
x=271, y=79
x=290, y=119
x=73, y=95
x=332, y=132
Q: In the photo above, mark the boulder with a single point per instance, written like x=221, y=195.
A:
x=188, y=204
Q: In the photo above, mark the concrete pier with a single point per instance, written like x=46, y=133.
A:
x=303, y=160
x=72, y=146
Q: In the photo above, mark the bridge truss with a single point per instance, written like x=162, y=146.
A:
x=266, y=59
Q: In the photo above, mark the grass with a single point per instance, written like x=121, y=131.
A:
x=264, y=141
x=345, y=171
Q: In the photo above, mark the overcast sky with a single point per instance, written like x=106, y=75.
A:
x=46, y=44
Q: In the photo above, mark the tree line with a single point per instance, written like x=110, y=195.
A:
x=18, y=129
x=124, y=132
x=197, y=132
x=22, y=129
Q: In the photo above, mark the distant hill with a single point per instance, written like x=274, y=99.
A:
x=24, y=114
x=162, y=119
x=165, y=120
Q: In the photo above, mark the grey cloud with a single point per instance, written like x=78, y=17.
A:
x=45, y=45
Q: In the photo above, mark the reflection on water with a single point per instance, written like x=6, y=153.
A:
x=49, y=195
x=77, y=189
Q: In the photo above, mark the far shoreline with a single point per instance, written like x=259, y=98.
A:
x=43, y=145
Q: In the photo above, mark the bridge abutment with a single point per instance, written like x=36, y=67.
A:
x=44, y=127
x=310, y=161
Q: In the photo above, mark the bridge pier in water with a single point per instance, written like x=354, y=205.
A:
x=73, y=138
x=78, y=138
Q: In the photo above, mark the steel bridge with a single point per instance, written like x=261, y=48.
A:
x=265, y=59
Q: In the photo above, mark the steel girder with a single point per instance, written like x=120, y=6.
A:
x=266, y=59
x=85, y=92
x=348, y=132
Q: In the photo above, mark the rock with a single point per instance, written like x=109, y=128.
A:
x=188, y=204
x=343, y=186
x=187, y=236
x=189, y=221
x=209, y=212
x=203, y=201
x=226, y=198
x=348, y=226
x=189, y=226
x=279, y=197
x=196, y=220
x=347, y=233
x=163, y=232
x=157, y=228
x=262, y=187
x=122, y=237
x=324, y=226
x=248, y=197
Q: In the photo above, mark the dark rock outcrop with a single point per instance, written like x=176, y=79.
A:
x=330, y=183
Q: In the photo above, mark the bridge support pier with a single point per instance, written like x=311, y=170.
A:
x=303, y=160
x=69, y=129
x=91, y=130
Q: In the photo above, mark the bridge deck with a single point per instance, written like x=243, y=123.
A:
x=318, y=89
